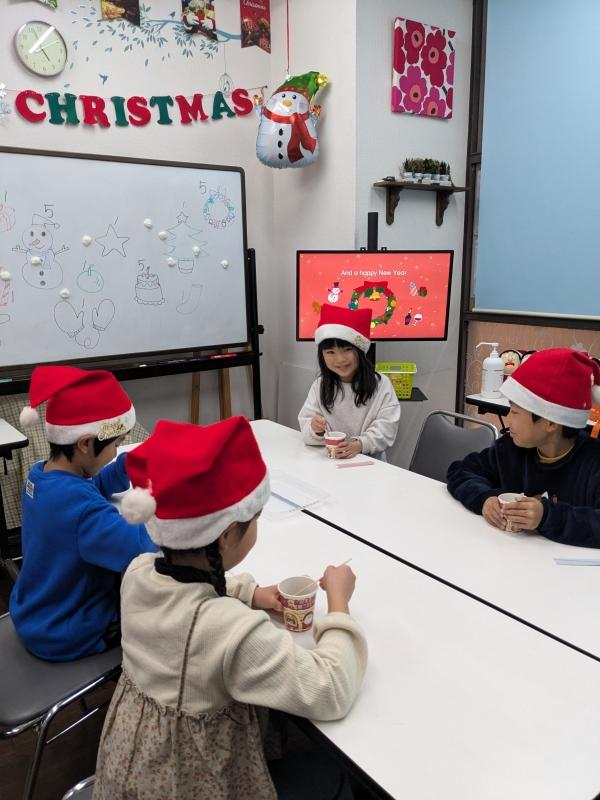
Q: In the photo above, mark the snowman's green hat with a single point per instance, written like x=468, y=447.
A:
x=307, y=84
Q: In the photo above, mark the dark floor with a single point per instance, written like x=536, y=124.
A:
x=66, y=761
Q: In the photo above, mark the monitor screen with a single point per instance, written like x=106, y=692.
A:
x=408, y=290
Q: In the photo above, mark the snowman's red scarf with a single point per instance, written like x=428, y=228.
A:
x=300, y=134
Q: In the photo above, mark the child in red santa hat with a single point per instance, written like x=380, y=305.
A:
x=198, y=653
x=65, y=603
x=349, y=395
x=547, y=455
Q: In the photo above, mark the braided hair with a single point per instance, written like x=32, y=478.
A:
x=216, y=572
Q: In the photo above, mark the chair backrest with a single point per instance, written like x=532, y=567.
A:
x=441, y=442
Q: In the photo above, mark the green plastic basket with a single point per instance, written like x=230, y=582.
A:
x=401, y=375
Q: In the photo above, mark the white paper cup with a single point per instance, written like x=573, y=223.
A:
x=298, y=595
x=332, y=440
x=509, y=497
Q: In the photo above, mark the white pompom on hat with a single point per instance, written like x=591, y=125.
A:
x=80, y=403
x=200, y=479
x=558, y=384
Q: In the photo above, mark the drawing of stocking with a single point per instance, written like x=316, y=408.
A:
x=190, y=304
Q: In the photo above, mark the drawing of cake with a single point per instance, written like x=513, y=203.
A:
x=147, y=288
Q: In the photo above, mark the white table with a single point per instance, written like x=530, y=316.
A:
x=10, y=439
x=458, y=701
x=415, y=519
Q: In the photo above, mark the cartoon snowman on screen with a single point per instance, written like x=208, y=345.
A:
x=287, y=133
x=41, y=270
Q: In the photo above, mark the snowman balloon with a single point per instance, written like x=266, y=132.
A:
x=287, y=133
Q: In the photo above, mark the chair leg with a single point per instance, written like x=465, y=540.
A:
x=34, y=767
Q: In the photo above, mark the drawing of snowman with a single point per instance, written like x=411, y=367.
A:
x=334, y=292
x=41, y=270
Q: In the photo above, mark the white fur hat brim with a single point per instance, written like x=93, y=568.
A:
x=562, y=415
x=191, y=533
x=103, y=429
x=343, y=332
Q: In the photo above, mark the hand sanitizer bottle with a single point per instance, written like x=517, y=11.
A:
x=492, y=372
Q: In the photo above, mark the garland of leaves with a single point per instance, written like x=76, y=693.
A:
x=372, y=291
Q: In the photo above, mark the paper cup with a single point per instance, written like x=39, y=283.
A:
x=298, y=609
x=332, y=440
x=509, y=497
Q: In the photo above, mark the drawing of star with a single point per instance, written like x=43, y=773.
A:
x=112, y=241
x=181, y=217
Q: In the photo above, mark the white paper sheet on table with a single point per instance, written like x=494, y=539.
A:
x=290, y=495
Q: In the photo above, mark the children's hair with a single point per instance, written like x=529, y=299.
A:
x=364, y=382
x=68, y=450
x=568, y=433
x=216, y=574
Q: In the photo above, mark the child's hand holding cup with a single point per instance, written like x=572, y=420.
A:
x=333, y=439
x=504, y=499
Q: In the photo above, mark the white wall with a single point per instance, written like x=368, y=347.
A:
x=321, y=206
x=313, y=207
x=227, y=141
x=384, y=139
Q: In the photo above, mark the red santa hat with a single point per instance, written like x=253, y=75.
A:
x=80, y=403
x=193, y=482
x=557, y=384
x=337, y=322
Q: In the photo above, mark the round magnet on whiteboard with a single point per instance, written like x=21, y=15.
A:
x=171, y=262
x=36, y=261
x=224, y=263
x=4, y=274
x=148, y=222
x=65, y=294
x=162, y=235
x=196, y=250
x=86, y=240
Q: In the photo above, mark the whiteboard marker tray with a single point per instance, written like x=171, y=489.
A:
x=289, y=496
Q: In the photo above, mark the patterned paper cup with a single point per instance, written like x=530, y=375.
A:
x=332, y=440
x=298, y=609
x=509, y=497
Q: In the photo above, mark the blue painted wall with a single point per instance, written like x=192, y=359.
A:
x=539, y=221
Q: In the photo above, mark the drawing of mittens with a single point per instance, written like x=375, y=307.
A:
x=190, y=303
x=67, y=319
x=102, y=315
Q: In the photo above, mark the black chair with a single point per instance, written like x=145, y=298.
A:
x=82, y=790
x=441, y=442
x=33, y=691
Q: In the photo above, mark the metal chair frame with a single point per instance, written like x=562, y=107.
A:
x=41, y=723
x=457, y=417
x=80, y=787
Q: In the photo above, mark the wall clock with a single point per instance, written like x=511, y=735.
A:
x=41, y=48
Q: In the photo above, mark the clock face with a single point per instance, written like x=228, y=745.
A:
x=41, y=48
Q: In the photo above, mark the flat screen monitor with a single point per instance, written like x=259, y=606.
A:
x=408, y=290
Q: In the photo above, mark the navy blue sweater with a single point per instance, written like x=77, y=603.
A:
x=572, y=510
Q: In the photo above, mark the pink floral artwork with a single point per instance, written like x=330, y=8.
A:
x=423, y=70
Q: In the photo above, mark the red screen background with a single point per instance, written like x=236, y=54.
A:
x=409, y=289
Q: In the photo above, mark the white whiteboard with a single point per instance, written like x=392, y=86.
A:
x=76, y=225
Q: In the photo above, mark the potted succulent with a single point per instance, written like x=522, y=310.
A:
x=407, y=169
x=436, y=171
x=418, y=168
x=428, y=166
x=444, y=173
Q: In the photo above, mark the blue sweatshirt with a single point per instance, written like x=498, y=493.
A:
x=74, y=544
x=572, y=510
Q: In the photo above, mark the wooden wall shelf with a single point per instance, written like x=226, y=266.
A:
x=393, y=189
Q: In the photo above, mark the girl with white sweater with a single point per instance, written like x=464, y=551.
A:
x=199, y=652
x=349, y=395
